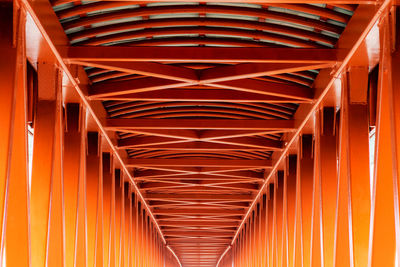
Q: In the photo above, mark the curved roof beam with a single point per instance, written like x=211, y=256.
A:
x=186, y=9
x=200, y=30
x=190, y=41
x=227, y=105
x=227, y=23
x=80, y=10
x=202, y=111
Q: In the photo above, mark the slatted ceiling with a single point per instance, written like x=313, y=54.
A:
x=130, y=110
x=281, y=20
x=200, y=111
x=113, y=106
x=214, y=22
x=162, y=33
x=167, y=154
x=123, y=135
x=253, y=153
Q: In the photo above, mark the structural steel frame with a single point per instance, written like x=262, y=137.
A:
x=149, y=155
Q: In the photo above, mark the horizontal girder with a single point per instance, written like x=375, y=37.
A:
x=202, y=54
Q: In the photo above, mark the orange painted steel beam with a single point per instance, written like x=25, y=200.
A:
x=85, y=202
x=161, y=185
x=354, y=171
x=43, y=9
x=163, y=22
x=219, y=124
x=197, y=234
x=385, y=208
x=197, y=240
x=252, y=70
x=46, y=182
x=132, y=86
x=72, y=164
x=328, y=179
x=194, y=95
x=316, y=228
x=234, y=197
x=200, y=41
x=264, y=145
x=363, y=12
x=14, y=242
x=291, y=198
x=332, y=2
x=143, y=162
x=203, y=211
x=167, y=175
x=107, y=204
x=200, y=30
x=157, y=70
x=139, y=85
x=284, y=110
x=267, y=88
x=204, y=9
x=197, y=223
x=143, y=141
x=306, y=173
x=280, y=218
x=93, y=202
x=249, y=184
x=222, y=204
x=264, y=245
x=202, y=54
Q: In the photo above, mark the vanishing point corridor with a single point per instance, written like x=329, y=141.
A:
x=216, y=133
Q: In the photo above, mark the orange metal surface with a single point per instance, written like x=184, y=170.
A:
x=199, y=134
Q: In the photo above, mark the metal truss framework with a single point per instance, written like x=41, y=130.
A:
x=232, y=134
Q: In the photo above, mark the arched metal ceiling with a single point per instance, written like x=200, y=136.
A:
x=199, y=206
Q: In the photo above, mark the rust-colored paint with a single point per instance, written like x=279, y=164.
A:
x=233, y=151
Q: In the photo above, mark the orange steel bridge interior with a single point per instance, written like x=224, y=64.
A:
x=218, y=133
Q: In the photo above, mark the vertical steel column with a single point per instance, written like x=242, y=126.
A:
x=46, y=171
x=71, y=172
x=133, y=230
x=131, y=249
x=145, y=238
x=107, y=206
x=13, y=138
x=285, y=219
x=342, y=239
x=291, y=176
x=81, y=233
x=127, y=226
x=93, y=185
x=272, y=222
x=122, y=223
x=315, y=245
x=140, y=231
x=261, y=232
x=354, y=177
x=280, y=183
x=305, y=214
x=118, y=214
x=328, y=178
x=265, y=228
x=382, y=246
x=250, y=235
